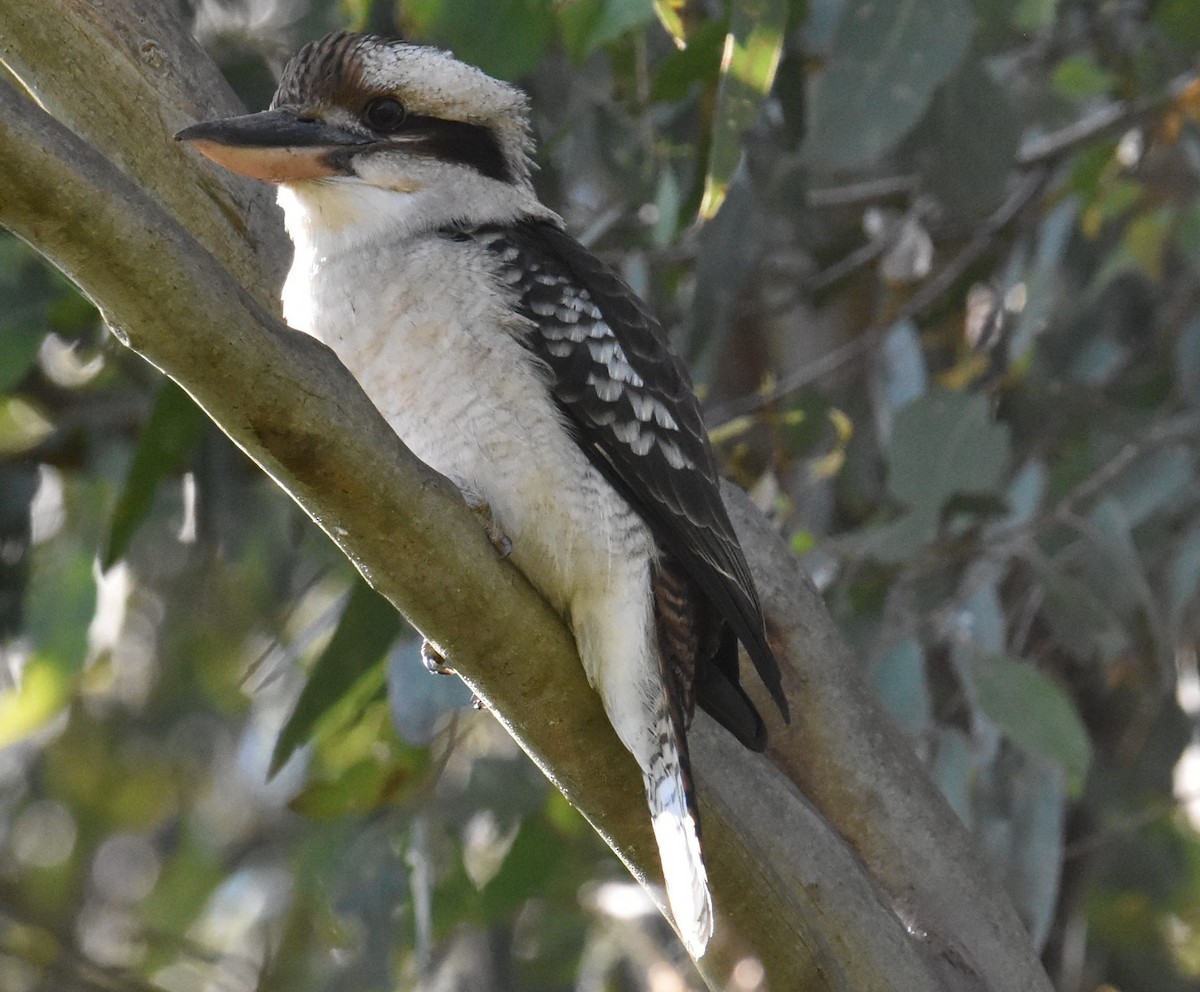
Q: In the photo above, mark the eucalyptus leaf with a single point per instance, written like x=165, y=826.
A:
x=971, y=139
x=21, y=334
x=1080, y=620
x=887, y=59
x=1157, y=483
x=1183, y=575
x=670, y=14
x=166, y=442
x=699, y=62
x=1186, y=366
x=900, y=680
x=1032, y=711
x=899, y=375
x=586, y=25
x=1111, y=561
x=1022, y=832
x=753, y=48
x=367, y=627
x=953, y=770
x=505, y=38
x=946, y=443
x=897, y=540
x=981, y=620
x=1032, y=15
x=1024, y=494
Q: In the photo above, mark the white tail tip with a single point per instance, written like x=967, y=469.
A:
x=683, y=869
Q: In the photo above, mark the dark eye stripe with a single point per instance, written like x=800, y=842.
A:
x=473, y=145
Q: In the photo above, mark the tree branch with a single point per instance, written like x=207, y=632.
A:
x=795, y=898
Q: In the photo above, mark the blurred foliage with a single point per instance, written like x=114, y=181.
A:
x=946, y=318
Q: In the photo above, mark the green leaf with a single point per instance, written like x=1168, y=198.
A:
x=1179, y=21
x=886, y=62
x=60, y=604
x=23, y=425
x=896, y=541
x=535, y=856
x=1183, y=576
x=1162, y=479
x=1033, y=712
x=20, y=338
x=1078, y=77
x=945, y=443
x=356, y=791
x=752, y=51
x=982, y=617
x=171, y=432
x=970, y=139
x=42, y=692
x=670, y=14
x=900, y=375
x=953, y=771
x=505, y=38
x=1021, y=825
x=1081, y=622
x=1187, y=233
x=944, y=447
x=1032, y=15
x=1146, y=239
x=700, y=61
x=586, y=25
x=1186, y=367
x=367, y=628
x=1024, y=494
x=899, y=679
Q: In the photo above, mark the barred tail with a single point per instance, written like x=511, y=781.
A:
x=675, y=817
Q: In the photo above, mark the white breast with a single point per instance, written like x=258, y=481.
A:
x=420, y=325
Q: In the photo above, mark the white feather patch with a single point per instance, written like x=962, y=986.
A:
x=682, y=863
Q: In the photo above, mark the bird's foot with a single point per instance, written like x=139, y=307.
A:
x=434, y=661
x=483, y=510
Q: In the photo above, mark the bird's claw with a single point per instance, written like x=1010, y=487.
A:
x=434, y=661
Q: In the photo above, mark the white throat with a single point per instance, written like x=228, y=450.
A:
x=331, y=221
x=393, y=199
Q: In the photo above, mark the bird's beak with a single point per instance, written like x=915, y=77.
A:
x=276, y=146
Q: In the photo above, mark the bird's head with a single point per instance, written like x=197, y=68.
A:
x=361, y=123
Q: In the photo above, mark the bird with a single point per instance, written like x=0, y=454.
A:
x=514, y=362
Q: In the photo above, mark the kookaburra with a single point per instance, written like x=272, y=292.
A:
x=512, y=361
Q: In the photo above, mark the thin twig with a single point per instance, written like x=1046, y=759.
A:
x=1033, y=151
x=856, y=194
x=928, y=294
x=1113, y=117
x=865, y=255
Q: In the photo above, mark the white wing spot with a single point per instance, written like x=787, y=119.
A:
x=675, y=457
x=630, y=432
x=649, y=408
x=608, y=390
x=609, y=353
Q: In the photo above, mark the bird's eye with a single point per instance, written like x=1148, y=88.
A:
x=384, y=114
